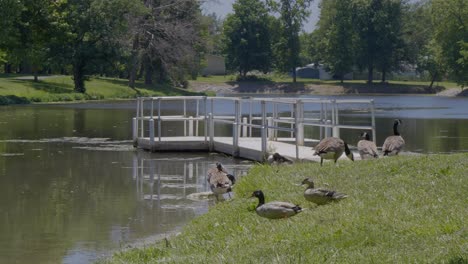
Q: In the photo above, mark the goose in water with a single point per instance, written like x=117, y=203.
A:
x=393, y=144
x=320, y=196
x=367, y=148
x=332, y=148
x=220, y=181
x=274, y=210
x=277, y=159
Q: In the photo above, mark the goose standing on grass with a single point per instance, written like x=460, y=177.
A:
x=277, y=159
x=367, y=149
x=320, y=196
x=220, y=181
x=332, y=148
x=274, y=210
x=393, y=144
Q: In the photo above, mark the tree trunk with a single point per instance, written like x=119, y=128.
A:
x=384, y=75
x=148, y=73
x=7, y=68
x=434, y=76
x=34, y=70
x=133, y=63
x=370, y=74
x=294, y=74
x=78, y=78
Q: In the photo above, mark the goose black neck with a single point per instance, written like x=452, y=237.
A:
x=395, y=129
x=261, y=199
x=367, y=137
x=346, y=149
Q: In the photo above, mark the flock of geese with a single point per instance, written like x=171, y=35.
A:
x=330, y=148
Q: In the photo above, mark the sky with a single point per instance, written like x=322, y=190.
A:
x=224, y=7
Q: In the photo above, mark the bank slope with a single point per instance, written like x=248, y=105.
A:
x=407, y=209
x=23, y=90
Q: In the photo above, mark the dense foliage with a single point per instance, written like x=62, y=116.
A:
x=165, y=41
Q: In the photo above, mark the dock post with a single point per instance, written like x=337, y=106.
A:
x=328, y=129
x=211, y=131
x=299, y=121
x=235, y=139
x=151, y=133
x=264, y=143
x=271, y=131
x=244, y=127
x=336, y=130
x=190, y=126
x=374, y=133
x=135, y=131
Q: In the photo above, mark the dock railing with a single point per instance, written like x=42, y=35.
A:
x=248, y=117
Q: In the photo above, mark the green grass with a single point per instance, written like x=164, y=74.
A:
x=60, y=89
x=403, y=209
x=287, y=79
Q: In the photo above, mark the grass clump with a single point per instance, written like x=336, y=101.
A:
x=399, y=210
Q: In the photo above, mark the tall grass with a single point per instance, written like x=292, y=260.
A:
x=399, y=210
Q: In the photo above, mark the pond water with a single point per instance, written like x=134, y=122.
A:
x=73, y=189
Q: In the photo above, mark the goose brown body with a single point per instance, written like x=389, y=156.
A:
x=393, y=144
x=274, y=210
x=367, y=149
x=320, y=196
x=220, y=181
x=277, y=159
x=332, y=148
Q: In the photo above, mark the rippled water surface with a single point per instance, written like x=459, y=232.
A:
x=73, y=188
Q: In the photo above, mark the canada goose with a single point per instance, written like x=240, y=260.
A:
x=220, y=181
x=393, y=144
x=277, y=159
x=320, y=196
x=332, y=148
x=367, y=149
x=274, y=210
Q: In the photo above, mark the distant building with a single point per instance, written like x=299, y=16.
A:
x=312, y=71
x=215, y=65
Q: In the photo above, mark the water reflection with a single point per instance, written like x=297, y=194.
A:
x=73, y=200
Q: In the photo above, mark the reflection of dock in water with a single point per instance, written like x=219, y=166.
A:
x=169, y=183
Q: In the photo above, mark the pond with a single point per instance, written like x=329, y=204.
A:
x=73, y=188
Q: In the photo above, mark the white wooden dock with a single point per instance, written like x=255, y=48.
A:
x=148, y=126
x=249, y=148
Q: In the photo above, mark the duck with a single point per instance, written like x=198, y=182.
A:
x=367, y=148
x=331, y=148
x=274, y=210
x=320, y=196
x=220, y=180
x=393, y=144
x=277, y=159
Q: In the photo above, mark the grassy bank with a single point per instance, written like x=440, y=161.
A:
x=403, y=209
x=288, y=79
x=60, y=89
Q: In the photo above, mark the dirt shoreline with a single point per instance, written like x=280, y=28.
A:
x=321, y=89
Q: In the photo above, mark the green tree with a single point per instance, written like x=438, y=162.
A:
x=336, y=38
x=450, y=20
x=87, y=33
x=167, y=41
x=35, y=32
x=378, y=26
x=10, y=13
x=247, y=37
x=292, y=15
